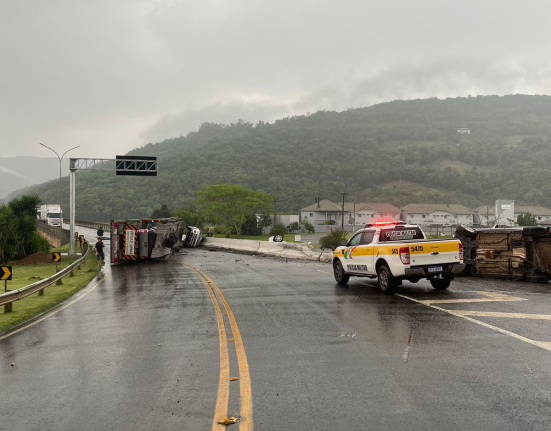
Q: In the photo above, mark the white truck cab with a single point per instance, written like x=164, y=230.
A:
x=394, y=251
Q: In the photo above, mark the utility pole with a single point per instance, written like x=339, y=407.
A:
x=60, y=211
x=342, y=218
x=275, y=209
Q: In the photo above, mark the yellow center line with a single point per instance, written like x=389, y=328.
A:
x=224, y=377
x=57, y=310
x=246, y=409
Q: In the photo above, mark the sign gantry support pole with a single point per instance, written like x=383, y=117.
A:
x=122, y=165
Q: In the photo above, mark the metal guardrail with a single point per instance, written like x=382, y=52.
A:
x=91, y=224
x=15, y=295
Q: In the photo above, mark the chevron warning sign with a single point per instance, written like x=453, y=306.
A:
x=5, y=272
x=56, y=257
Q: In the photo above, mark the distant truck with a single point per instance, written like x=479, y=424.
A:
x=50, y=214
x=393, y=251
x=136, y=240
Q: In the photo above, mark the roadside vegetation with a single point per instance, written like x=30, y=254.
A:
x=406, y=151
x=23, y=275
x=18, y=233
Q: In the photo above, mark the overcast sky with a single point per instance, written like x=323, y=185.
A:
x=113, y=75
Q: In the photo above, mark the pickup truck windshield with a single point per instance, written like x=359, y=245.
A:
x=401, y=234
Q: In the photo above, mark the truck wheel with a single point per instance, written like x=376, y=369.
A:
x=440, y=283
x=387, y=283
x=340, y=276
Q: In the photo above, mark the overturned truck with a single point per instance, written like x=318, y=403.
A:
x=143, y=239
x=522, y=252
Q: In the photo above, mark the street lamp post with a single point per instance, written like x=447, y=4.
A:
x=60, y=159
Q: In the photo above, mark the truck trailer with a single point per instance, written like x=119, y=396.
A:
x=137, y=240
x=50, y=214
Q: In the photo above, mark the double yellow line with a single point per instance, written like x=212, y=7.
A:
x=246, y=407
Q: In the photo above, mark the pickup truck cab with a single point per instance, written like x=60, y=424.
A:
x=394, y=251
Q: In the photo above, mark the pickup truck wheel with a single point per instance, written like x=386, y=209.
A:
x=440, y=283
x=340, y=276
x=387, y=283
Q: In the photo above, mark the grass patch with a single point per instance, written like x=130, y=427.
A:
x=30, y=306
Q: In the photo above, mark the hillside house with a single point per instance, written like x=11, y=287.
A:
x=438, y=214
x=356, y=214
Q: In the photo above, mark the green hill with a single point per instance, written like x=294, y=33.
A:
x=400, y=152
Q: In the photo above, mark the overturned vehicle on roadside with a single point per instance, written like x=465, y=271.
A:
x=136, y=240
x=518, y=252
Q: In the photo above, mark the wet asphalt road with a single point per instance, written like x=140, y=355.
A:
x=140, y=351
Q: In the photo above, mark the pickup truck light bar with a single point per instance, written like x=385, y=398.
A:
x=385, y=223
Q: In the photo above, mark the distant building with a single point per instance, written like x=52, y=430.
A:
x=488, y=215
x=356, y=215
x=438, y=214
x=464, y=131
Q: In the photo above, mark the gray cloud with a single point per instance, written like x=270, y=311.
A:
x=112, y=76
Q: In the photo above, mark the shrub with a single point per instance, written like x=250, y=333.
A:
x=251, y=227
x=278, y=229
x=308, y=226
x=293, y=227
x=39, y=243
x=333, y=239
x=330, y=222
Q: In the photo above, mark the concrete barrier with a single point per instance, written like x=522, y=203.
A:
x=277, y=249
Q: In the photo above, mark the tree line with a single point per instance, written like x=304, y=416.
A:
x=398, y=152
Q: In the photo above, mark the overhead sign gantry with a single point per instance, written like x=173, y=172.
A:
x=122, y=165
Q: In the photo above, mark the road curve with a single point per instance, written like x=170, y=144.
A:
x=143, y=349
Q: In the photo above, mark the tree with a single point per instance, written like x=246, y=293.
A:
x=18, y=234
x=527, y=220
x=251, y=227
x=230, y=204
x=190, y=215
x=162, y=212
x=278, y=229
x=308, y=226
x=333, y=239
x=265, y=220
x=293, y=227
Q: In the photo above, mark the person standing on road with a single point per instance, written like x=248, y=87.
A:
x=100, y=231
x=99, y=251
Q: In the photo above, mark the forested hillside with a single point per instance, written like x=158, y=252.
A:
x=399, y=152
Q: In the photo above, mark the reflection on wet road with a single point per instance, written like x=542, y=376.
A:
x=143, y=351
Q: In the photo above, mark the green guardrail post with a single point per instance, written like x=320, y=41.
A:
x=58, y=282
x=6, y=274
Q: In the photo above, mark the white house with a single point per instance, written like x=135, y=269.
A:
x=438, y=214
x=487, y=213
x=356, y=214
x=321, y=211
x=359, y=214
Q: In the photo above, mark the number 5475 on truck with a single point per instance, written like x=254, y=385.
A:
x=393, y=252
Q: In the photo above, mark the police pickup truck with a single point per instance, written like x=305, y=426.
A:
x=394, y=251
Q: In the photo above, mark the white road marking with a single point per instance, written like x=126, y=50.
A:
x=490, y=297
x=325, y=272
x=543, y=344
x=507, y=315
